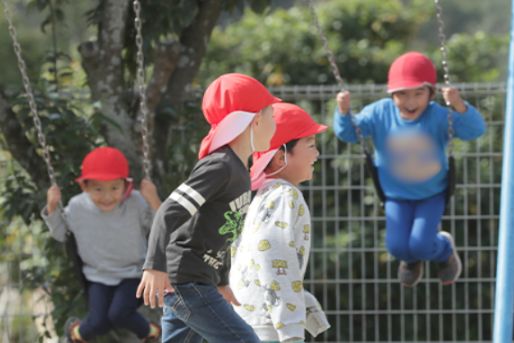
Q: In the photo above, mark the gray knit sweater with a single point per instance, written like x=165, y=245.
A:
x=111, y=244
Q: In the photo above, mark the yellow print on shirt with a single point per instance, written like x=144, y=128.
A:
x=280, y=266
x=297, y=286
x=263, y=245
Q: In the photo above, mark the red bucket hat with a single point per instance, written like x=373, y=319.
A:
x=229, y=104
x=411, y=70
x=104, y=164
x=292, y=123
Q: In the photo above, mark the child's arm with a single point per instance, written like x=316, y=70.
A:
x=183, y=203
x=149, y=192
x=280, y=271
x=344, y=124
x=468, y=123
x=50, y=214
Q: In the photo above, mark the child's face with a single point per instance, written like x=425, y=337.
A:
x=264, y=129
x=106, y=195
x=412, y=102
x=300, y=161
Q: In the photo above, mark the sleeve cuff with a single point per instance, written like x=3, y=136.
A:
x=291, y=331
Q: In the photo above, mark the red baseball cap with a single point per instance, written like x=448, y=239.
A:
x=229, y=104
x=292, y=122
x=411, y=70
x=104, y=164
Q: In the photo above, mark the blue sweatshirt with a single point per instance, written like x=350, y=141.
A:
x=410, y=154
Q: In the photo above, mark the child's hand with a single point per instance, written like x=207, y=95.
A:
x=452, y=96
x=154, y=284
x=149, y=192
x=229, y=296
x=53, y=197
x=343, y=102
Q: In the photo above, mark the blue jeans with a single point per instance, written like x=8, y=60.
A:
x=412, y=229
x=198, y=311
x=113, y=307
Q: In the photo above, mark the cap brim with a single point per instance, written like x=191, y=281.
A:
x=229, y=128
x=100, y=177
x=257, y=170
x=408, y=85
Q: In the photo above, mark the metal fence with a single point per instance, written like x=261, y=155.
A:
x=350, y=271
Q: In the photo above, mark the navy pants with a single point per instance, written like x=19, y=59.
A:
x=113, y=307
x=195, y=311
x=412, y=229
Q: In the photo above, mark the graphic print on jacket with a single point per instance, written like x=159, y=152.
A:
x=196, y=224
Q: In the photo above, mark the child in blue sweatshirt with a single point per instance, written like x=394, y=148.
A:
x=410, y=134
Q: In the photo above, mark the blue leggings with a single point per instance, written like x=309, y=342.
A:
x=113, y=307
x=412, y=229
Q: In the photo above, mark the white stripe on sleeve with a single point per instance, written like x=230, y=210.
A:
x=192, y=209
x=192, y=193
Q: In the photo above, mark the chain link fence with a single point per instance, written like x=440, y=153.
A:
x=350, y=271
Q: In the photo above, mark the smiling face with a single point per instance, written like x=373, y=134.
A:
x=412, y=102
x=300, y=161
x=106, y=195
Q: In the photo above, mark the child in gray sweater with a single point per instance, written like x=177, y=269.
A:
x=110, y=223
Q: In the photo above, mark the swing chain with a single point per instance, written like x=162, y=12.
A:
x=324, y=39
x=335, y=70
x=446, y=69
x=29, y=94
x=141, y=87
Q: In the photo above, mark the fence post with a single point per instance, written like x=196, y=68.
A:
x=503, y=307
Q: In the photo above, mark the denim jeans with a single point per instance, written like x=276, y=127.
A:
x=412, y=229
x=113, y=307
x=198, y=311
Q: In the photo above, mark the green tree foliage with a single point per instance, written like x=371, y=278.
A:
x=284, y=47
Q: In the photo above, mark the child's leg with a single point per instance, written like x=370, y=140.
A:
x=204, y=310
x=425, y=242
x=96, y=322
x=174, y=330
x=123, y=310
x=399, y=217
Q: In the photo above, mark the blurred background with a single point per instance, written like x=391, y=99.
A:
x=81, y=61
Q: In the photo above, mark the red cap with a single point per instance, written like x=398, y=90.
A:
x=104, y=163
x=292, y=123
x=411, y=70
x=229, y=105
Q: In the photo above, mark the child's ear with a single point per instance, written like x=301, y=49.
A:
x=280, y=157
x=83, y=185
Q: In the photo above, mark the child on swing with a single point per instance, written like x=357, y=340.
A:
x=270, y=257
x=410, y=134
x=187, y=264
x=110, y=222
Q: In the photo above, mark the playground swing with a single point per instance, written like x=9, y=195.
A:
x=368, y=158
x=70, y=242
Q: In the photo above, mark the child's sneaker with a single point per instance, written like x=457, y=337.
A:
x=155, y=333
x=71, y=328
x=450, y=270
x=410, y=273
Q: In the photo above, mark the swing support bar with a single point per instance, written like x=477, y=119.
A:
x=503, y=306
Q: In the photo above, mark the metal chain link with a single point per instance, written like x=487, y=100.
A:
x=29, y=94
x=141, y=87
x=333, y=65
x=446, y=69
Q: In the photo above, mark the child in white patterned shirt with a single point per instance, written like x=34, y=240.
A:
x=270, y=258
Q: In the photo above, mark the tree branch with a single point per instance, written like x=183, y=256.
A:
x=165, y=63
x=103, y=62
x=194, y=41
